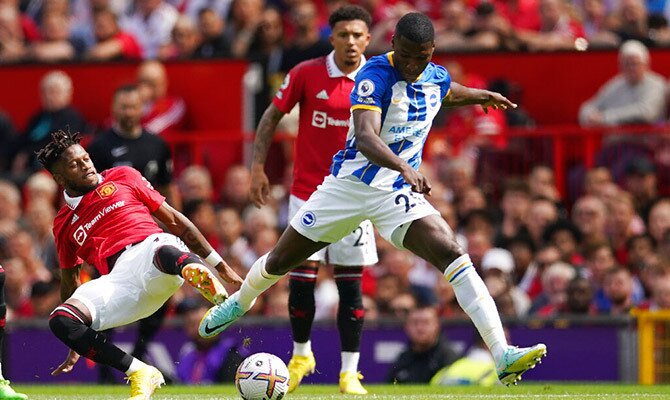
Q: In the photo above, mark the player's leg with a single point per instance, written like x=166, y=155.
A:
x=431, y=238
x=349, y=255
x=174, y=258
x=6, y=391
x=331, y=213
x=147, y=328
x=133, y=290
x=71, y=323
x=302, y=307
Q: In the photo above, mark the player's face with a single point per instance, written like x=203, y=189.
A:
x=127, y=110
x=349, y=39
x=75, y=171
x=409, y=58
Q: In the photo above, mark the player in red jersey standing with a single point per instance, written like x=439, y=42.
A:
x=322, y=87
x=107, y=222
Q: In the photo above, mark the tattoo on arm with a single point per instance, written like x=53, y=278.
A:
x=265, y=132
x=191, y=236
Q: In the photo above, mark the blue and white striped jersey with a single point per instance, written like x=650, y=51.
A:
x=407, y=109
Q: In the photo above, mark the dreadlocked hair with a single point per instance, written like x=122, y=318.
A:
x=60, y=141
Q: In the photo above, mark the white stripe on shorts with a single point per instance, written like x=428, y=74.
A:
x=67, y=311
x=303, y=275
x=348, y=275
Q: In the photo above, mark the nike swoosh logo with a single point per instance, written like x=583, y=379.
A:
x=209, y=330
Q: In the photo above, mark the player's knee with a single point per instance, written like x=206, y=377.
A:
x=171, y=260
x=278, y=264
x=63, y=323
x=67, y=315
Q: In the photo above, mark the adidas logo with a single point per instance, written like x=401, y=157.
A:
x=322, y=95
x=74, y=219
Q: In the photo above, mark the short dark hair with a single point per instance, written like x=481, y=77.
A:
x=415, y=27
x=127, y=88
x=562, y=225
x=516, y=185
x=349, y=13
x=60, y=141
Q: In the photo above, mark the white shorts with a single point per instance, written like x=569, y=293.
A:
x=338, y=206
x=358, y=248
x=134, y=289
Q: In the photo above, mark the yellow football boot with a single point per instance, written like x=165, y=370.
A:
x=203, y=280
x=298, y=368
x=350, y=383
x=144, y=382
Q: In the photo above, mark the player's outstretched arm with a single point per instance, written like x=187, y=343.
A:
x=460, y=95
x=367, y=125
x=260, y=185
x=182, y=227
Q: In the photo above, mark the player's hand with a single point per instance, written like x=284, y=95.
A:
x=68, y=364
x=228, y=274
x=416, y=180
x=260, y=186
x=497, y=101
x=594, y=118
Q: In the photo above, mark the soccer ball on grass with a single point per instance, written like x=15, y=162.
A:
x=262, y=376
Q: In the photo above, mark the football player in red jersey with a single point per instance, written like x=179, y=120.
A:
x=108, y=222
x=322, y=87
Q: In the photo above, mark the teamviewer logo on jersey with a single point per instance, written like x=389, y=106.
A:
x=80, y=235
x=319, y=119
x=308, y=219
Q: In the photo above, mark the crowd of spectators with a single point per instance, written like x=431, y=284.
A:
x=103, y=30
x=604, y=254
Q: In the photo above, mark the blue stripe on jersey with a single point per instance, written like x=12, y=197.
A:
x=417, y=103
x=368, y=172
x=349, y=153
x=414, y=162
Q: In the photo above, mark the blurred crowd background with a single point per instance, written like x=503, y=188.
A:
x=101, y=30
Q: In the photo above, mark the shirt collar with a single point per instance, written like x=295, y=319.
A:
x=334, y=71
x=73, y=202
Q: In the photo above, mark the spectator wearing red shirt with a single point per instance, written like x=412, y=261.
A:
x=522, y=14
x=162, y=111
x=556, y=29
x=111, y=43
x=482, y=128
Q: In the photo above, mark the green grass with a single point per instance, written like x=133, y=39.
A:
x=390, y=392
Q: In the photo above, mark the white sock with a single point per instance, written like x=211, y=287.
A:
x=2, y=378
x=256, y=282
x=302, y=349
x=134, y=366
x=350, y=361
x=475, y=299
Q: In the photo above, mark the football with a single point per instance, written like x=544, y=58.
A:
x=262, y=376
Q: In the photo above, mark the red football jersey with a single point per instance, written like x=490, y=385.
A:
x=323, y=93
x=98, y=224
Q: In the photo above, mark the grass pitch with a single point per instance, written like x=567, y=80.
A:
x=377, y=392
